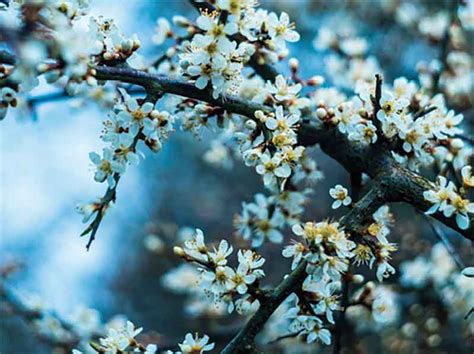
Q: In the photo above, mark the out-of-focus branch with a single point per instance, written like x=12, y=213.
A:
x=356, y=187
x=444, y=46
x=18, y=307
x=447, y=244
x=7, y=58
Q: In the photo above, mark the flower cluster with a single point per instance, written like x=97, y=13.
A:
x=421, y=129
x=374, y=307
x=349, y=63
x=325, y=247
x=438, y=271
x=270, y=144
x=59, y=51
x=341, y=196
x=131, y=120
x=446, y=199
x=82, y=328
x=121, y=339
x=222, y=282
x=453, y=74
x=378, y=251
x=185, y=280
x=266, y=217
x=327, y=251
x=225, y=39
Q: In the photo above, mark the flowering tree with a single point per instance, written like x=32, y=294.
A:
x=219, y=70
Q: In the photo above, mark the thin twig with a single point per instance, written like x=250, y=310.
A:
x=285, y=336
x=341, y=321
x=424, y=112
x=444, y=47
x=445, y=241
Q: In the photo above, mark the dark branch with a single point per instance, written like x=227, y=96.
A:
x=352, y=222
x=406, y=186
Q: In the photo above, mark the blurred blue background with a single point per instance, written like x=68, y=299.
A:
x=45, y=171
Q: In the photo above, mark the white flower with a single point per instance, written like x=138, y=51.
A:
x=106, y=166
x=196, y=247
x=119, y=339
x=219, y=256
x=260, y=221
x=250, y=259
x=88, y=210
x=461, y=208
x=467, y=176
x=134, y=114
x=281, y=30
x=327, y=302
x=281, y=90
x=216, y=29
x=246, y=305
x=313, y=327
x=221, y=280
x=272, y=167
x=416, y=273
x=384, y=307
x=162, y=31
x=384, y=270
x=281, y=122
x=391, y=106
x=340, y=194
x=295, y=251
x=195, y=345
x=364, y=133
x=404, y=88
x=440, y=196
x=354, y=46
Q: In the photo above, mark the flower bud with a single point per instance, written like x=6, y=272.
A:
x=127, y=45
x=108, y=56
x=294, y=64
x=170, y=52
x=136, y=44
x=184, y=64
x=321, y=112
x=154, y=114
x=260, y=115
x=468, y=272
x=370, y=285
x=250, y=124
x=179, y=251
x=457, y=144
x=316, y=80
x=180, y=21
x=357, y=278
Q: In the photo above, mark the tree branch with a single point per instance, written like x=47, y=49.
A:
x=7, y=58
x=243, y=342
x=406, y=186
